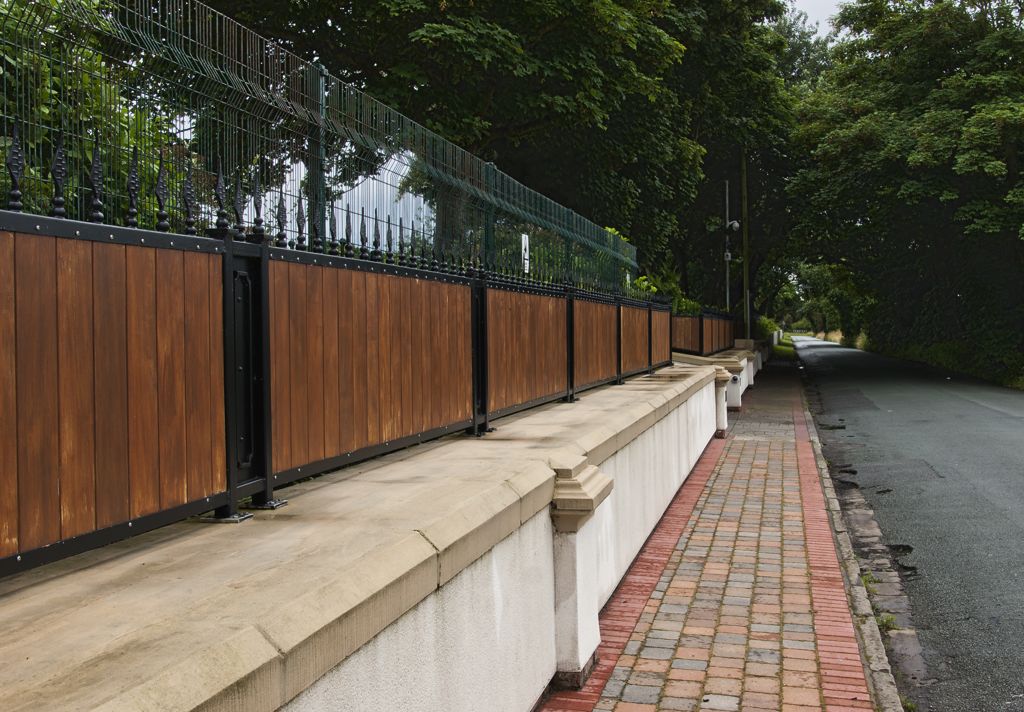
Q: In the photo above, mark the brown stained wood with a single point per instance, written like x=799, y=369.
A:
x=332, y=375
x=358, y=347
x=76, y=428
x=449, y=366
x=348, y=427
x=298, y=343
x=594, y=337
x=314, y=366
x=434, y=394
x=526, y=348
x=372, y=362
x=111, y=375
x=634, y=339
x=218, y=427
x=198, y=435
x=686, y=333
x=660, y=348
x=466, y=354
x=8, y=402
x=35, y=280
x=280, y=368
x=170, y=337
x=143, y=379
x=417, y=344
x=385, y=358
x=405, y=357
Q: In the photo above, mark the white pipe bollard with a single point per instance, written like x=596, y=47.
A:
x=722, y=379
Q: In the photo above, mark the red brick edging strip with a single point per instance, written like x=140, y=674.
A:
x=620, y=615
x=844, y=687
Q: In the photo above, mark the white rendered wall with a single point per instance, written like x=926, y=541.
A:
x=647, y=473
x=484, y=640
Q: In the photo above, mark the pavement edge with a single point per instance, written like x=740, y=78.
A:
x=880, y=679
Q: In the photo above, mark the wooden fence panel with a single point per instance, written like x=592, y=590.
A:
x=105, y=424
x=526, y=348
x=594, y=347
x=661, y=348
x=9, y=503
x=634, y=339
x=686, y=334
x=399, y=349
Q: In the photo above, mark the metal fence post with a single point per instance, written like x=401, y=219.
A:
x=618, y=342
x=570, y=344
x=650, y=338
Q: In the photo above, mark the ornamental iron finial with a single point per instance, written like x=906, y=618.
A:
x=239, y=205
x=132, y=220
x=220, y=195
x=59, y=175
x=333, y=227
x=401, y=242
x=15, y=169
x=258, y=231
x=390, y=257
x=162, y=194
x=363, y=252
x=376, y=254
x=300, y=217
x=188, y=198
x=349, y=249
x=282, y=220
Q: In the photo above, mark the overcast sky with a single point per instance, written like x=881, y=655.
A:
x=819, y=11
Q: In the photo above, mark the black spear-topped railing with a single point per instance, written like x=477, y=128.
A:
x=59, y=176
x=162, y=193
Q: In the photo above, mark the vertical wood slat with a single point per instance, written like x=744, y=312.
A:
x=526, y=348
x=661, y=349
x=384, y=362
x=111, y=374
x=76, y=436
x=198, y=435
x=170, y=335
x=634, y=339
x=357, y=347
x=331, y=365
x=35, y=267
x=218, y=465
x=297, y=323
x=396, y=359
x=594, y=342
x=372, y=363
x=347, y=359
x=143, y=382
x=9, y=514
x=280, y=369
x=314, y=364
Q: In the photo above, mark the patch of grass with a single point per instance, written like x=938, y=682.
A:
x=868, y=580
x=886, y=622
x=784, y=352
x=908, y=706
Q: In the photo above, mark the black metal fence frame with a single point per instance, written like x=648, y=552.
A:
x=260, y=486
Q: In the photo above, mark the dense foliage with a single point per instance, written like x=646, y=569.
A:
x=883, y=165
x=912, y=186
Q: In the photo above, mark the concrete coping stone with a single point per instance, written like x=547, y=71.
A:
x=194, y=616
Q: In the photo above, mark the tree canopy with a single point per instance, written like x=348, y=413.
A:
x=884, y=162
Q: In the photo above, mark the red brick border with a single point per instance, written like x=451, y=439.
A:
x=844, y=687
x=620, y=615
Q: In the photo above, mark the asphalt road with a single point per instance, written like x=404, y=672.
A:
x=940, y=458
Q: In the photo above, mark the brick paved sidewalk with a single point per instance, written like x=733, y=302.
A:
x=736, y=601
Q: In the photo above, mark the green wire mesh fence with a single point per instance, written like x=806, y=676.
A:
x=160, y=113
